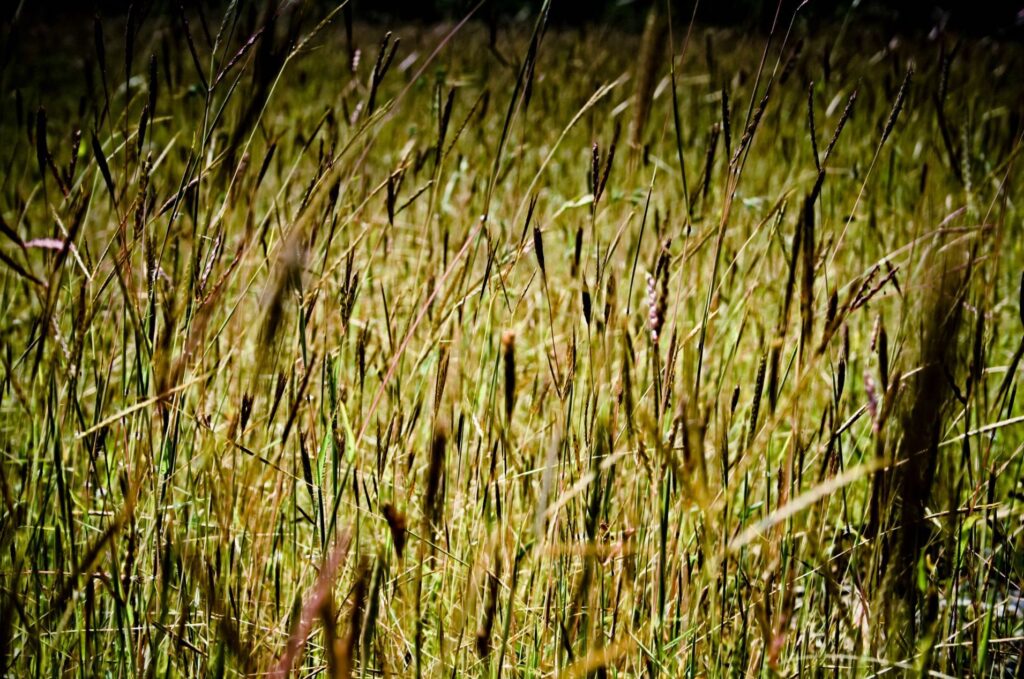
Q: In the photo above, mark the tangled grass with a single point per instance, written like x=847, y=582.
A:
x=531, y=351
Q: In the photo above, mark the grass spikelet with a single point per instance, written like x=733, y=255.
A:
x=709, y=159
x=483, y=634
x=811, y=129
x=755, y=405
x=538, y=249
x=508, y=353
x=726, y=123
x=348, y=656
x=808, y=262
x=652, y=50
x=434, y=478
x=897, y=106
x=397, y=524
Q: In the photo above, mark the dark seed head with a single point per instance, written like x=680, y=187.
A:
x=587, y=310
x=508, y=349
x=396, y=522
x=538, y=247
x=434, y=473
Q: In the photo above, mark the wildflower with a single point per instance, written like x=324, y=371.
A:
x=871, y=389
x=656, y=304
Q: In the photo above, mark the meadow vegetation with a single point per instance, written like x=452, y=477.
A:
x=509, y=349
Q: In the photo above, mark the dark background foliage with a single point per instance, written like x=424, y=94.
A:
x=996, y=17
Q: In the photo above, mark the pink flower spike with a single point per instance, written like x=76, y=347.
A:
x=47, y=243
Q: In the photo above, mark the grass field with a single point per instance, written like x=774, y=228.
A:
x=539, y=351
